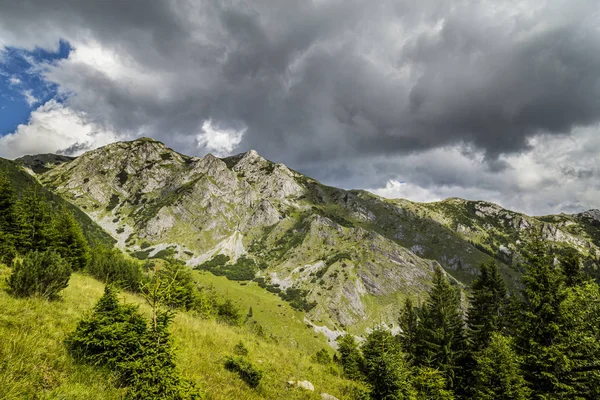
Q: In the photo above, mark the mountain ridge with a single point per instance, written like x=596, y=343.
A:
x=352, y=253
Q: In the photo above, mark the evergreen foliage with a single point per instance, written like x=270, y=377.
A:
x=245, y=369
x=429, y=384
x=178, y=284
x=539, y=329
x=110, y=335
x=7, y=219
x=385, y=369
x=35, y=228
x=69, y=240
x=229, y=312
x=244, y=269
x=441, y=335
x=497, y=373
x=42, y=274
x=487, y=306
x=570, y=263
x=110, y=266
x=118, y=337
x=409, y=330
x=351, y=358
x=322, y=357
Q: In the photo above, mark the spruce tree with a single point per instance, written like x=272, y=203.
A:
x=579, y=342
x=409, y=330
x=539, y=330
x=385, y=368
x=570, y=263
x=497, y=373
x=350, y=357
x=429, y=384
x=111, y=334
x=442, y=341
x=42, y=274
x=34, y=219
x=69, y=240
x=7, y=219
x=487, y=305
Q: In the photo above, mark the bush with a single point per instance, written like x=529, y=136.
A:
x=244, y=269
x=110, y=266
x=322, y=357
x=229, y=312
x=178, y=284
x=41, y=274
x=110, y=335
x=247, y=372
x=240, y=350
x=118, y=337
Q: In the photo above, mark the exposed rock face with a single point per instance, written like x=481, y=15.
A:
x=352, y=253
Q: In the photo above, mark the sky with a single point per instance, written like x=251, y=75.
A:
x=490, y=100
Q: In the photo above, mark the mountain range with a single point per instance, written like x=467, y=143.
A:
x=348, y=257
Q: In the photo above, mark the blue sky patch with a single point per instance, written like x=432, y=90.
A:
x=22, y=88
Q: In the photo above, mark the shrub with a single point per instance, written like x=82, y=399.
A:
x=110, y=335
x=229, y=312
x=41, y=274
x=118, y=337
x=240, y=350
x=114, y=201
x=247, y=372
x=322, y=357
x=178, y=284
x=244, y=269
x=110, y=266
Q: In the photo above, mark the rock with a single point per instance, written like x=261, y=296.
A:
x=326, y=396
x=302, y=384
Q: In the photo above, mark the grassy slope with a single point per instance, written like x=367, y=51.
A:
x=34, y=363
x=275, y=315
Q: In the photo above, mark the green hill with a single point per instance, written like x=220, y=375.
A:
x=34, y=362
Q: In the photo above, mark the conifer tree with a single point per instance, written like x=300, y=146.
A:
x=579, y=343
x=34, y=219
x=350, y=357
x=385, y=368
x=497, y=374
x=487, y=305
x=111, y=334
x=570, y=263
x=42, y=274
x=7, y=219
x=442, y=341
x=539, y=330
x=409, y=330
x=429, y=384
x=69, y=240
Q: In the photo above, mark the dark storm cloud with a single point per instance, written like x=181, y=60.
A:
x=328, y=86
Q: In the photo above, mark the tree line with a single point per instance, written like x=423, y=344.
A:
x=541, y=342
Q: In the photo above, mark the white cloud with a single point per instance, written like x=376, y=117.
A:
x=14, y=80
x=559, y=174
x=30, y=98
x=53, y=127
x=219, y=141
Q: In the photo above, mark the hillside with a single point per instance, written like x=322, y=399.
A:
x=22, y=181
x=347, y=257
x=34, y=362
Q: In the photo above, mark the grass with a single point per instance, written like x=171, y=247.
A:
x=275, y=315
x=34, y=363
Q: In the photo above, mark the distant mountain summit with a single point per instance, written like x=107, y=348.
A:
x=350, y=256
x=41, y=163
